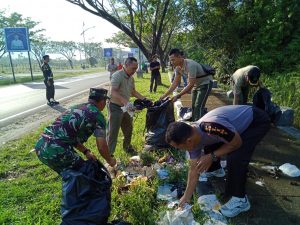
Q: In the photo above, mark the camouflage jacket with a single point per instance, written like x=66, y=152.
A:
x=76, y=125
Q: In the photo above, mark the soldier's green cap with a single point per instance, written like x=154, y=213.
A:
x=98, y=93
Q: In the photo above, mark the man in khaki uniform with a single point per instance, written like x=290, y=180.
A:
x=122, y=88
x=241, y=81
x=198, y=80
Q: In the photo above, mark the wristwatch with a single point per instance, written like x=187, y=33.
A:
x=214, y=157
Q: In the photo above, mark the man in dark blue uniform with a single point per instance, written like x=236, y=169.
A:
x=229, y=130
x=48, y=80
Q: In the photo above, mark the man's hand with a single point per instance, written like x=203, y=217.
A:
x=89, y=155
x=175, y=98
x=182, y=201
x=204, y=163
x=112, y=162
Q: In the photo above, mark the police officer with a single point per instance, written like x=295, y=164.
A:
x=56, y=146
x=232, y=130
x=48, y=80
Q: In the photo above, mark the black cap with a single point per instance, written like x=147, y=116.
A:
x=253, y=75
x=99, y=93
x=46, y=56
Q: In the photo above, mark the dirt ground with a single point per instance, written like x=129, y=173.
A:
x=276, y=203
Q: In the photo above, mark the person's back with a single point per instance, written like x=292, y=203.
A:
x=76, y=124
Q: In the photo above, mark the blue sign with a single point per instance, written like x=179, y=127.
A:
x=16, y=39
x=130, y=54
x=107, y=52
x=134, y=50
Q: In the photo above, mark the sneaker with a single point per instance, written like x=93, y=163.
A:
x=54, y=102
x=217, y=173
x=50, y=104
x=235, y=206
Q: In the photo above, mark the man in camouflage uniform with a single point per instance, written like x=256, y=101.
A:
x=55, y=147
x=48, y=80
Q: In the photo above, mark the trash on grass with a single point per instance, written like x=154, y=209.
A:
x=290, y=170
x=211, y=206
x=165, y=192
x=178, y=217
x=162, y=173
x=260, y=183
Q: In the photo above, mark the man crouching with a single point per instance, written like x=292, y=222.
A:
x=229, y=130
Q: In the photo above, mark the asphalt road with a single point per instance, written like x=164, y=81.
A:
x=24, y=99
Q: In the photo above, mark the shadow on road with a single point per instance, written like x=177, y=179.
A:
x=42, y=86
x=59, y=108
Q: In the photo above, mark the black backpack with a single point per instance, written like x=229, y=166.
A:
x=208, y=70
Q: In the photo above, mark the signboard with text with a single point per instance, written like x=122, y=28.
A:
x=107, y=52
x=16, y=39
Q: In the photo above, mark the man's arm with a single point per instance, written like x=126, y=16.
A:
x=87, y=152
x=136, y=94
x=192, y=181
x=189, y=87
x=104, y=152
x=205, y=161
x=173, y=86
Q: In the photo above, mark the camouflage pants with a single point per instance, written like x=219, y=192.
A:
x=57, y=156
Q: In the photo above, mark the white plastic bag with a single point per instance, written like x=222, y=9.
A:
x=178, y=217
x=290, y=170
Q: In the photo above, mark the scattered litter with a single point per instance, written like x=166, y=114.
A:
x=162, y=173
x=203, y=177
x=173, y=204
x=182, y=216
x=290, y=170
x=135, y=159
x=223, y=163
x=211, y=206
x=165, y=192
x=294, y=183
x=260, y=183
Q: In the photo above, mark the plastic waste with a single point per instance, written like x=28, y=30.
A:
x=290, y=170
x=164, y=192
x=178, y=217
x=211, y=206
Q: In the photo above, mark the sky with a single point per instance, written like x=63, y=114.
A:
x=62, y=20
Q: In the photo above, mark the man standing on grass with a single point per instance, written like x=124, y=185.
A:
x=155, y=74
x=57, y=144
x=121, y=89
x=229, y=130
x=241, y=81
x=112, y=67
x=198, y=80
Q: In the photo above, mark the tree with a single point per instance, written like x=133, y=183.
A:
x=39, y=47
x=65, y=48
x=149, y=23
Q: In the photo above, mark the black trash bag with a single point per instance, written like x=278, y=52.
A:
x=141, y=104
x=262, y=100
x=158, y=117
x=86, y=195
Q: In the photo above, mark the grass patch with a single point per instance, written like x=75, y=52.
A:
x=31, y=192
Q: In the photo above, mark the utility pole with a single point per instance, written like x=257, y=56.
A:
x=83, y=35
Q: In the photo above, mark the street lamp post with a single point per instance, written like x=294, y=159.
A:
x=83, y=35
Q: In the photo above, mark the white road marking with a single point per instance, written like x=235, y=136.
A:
x=41, y=106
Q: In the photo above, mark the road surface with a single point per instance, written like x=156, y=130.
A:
x=24, y=99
